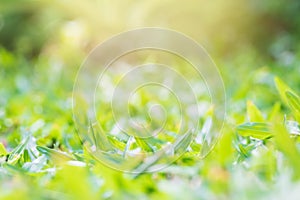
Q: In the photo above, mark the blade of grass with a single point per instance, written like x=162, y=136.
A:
x=56, y=156
x=254, y=129
x=3, y=151
x=294, y=103
x=254, y=114
x=288, y=147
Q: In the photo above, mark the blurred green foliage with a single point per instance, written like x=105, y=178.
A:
x=42, y=45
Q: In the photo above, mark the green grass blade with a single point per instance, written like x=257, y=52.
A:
x=293, y=101
x=256, y=130
x=56, y=156
x=254, y=114
x=3, y=151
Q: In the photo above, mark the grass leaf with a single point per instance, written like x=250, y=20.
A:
x=3, y=151
x=56, y=156
x=294, y=101
x=282, y=88
x=287, y=146
x=254, y=114
x=254, y=129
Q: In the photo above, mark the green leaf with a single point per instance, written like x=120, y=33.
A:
x=145, y=145
x=3, y=151
x=183, y=141
x=255, y=129
x=282, y=89
x=16, y=153
x=243, y=151
x=100, y=139
x=116, y=142
x=287, y=146
x=26, y=156
x=57, y=157
x=293, y=101
x=180, y=144
x=274, y=112
x=254, y=114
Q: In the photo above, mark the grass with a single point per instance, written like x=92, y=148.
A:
x=41, y=156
